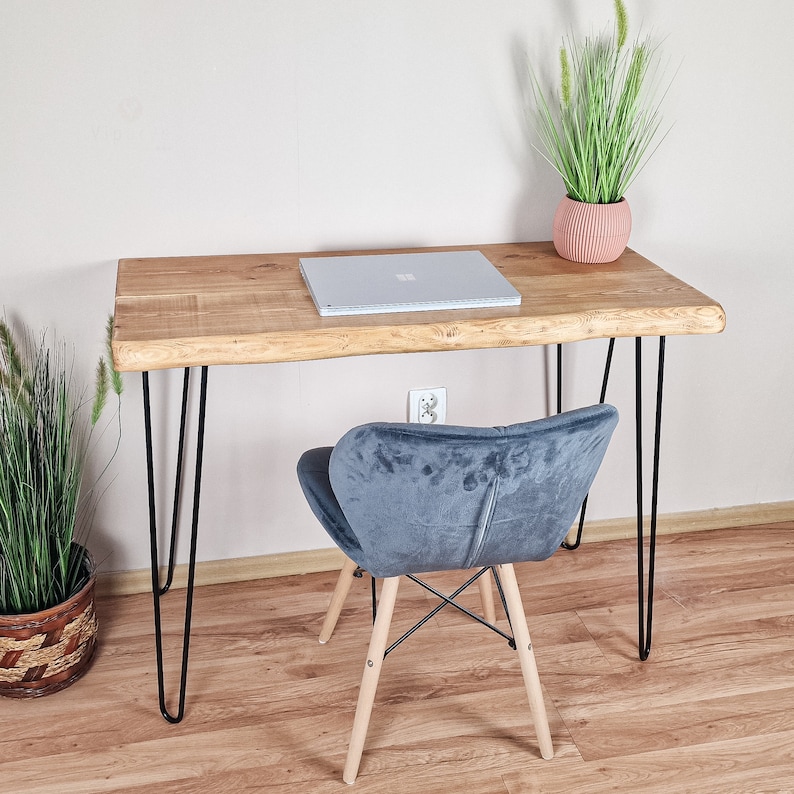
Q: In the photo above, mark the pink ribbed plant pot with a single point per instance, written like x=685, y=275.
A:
x=591, y=233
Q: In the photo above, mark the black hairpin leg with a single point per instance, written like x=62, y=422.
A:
x=645, y=590
x=602, y=398
x=559, y=379
x=157, y=589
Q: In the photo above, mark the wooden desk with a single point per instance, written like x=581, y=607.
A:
x=253, y=309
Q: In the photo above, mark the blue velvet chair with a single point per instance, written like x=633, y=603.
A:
x=404, y=499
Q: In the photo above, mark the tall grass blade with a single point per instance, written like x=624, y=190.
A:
x=45, y=440
x=600, y=132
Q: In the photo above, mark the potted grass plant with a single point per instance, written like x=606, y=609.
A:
x=48, y=622
x=597, y=131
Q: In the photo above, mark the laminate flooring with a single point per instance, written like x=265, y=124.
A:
x=270, y=709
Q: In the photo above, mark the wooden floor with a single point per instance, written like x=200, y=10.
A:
x=270, y=709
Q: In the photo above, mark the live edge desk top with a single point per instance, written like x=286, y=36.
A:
x=254, y=308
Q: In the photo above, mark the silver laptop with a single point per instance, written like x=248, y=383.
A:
x=380, y=283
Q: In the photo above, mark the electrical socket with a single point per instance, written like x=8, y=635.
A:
x=428, y=406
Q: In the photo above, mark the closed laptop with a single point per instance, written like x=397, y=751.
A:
x=379, y=283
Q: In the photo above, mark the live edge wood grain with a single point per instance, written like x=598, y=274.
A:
x=255, y=308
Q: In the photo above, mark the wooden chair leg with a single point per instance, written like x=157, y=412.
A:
x=486, y=596
x=369, y=681
x=526, y=655
x=337, y=600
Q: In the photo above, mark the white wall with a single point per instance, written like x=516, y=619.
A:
x=167, y=127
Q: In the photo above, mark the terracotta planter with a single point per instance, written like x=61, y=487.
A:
x=44, y=652
x=591, y=233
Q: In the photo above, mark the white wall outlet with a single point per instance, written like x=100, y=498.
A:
x=428, y=406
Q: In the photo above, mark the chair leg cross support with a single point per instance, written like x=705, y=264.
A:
x=350, y=571
x=450, y=600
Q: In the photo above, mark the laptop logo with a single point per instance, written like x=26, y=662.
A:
x=405, y=276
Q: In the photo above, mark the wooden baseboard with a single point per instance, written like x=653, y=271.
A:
x=240, y=569
x=316, y=560
x=694, y=521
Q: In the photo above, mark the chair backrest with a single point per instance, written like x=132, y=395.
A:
x=440, y=497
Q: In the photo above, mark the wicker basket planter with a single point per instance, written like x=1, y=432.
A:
x=44, y=652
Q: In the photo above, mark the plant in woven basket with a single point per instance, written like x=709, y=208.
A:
x=601, y=127
x=47, y=433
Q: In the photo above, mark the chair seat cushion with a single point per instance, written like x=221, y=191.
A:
x=313, y=477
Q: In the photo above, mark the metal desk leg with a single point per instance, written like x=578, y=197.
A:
x=157, y=590
x=645, y=589
x=645, y=594
x=601, y=399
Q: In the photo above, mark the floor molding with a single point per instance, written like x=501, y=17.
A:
x=315, y=560
x=694, y=521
